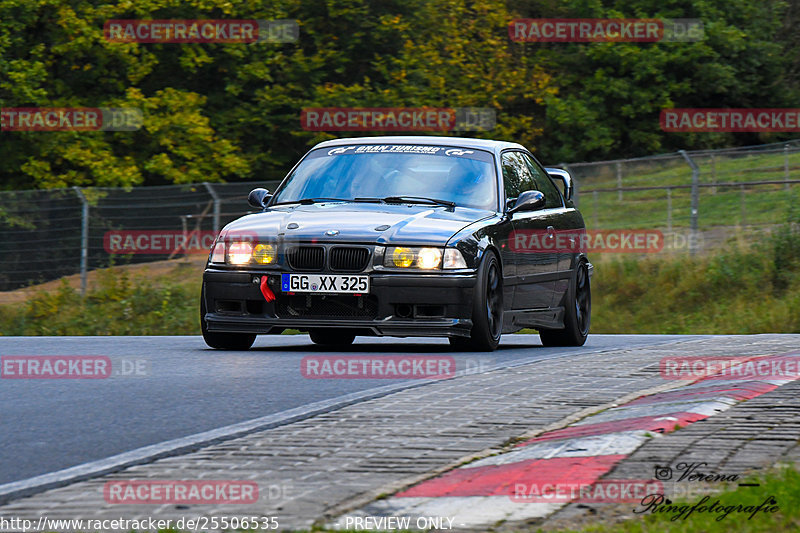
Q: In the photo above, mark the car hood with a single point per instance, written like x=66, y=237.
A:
x=357, y=223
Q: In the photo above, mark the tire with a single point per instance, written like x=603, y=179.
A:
x=332, y=337
x=487, y=309
x=223, y=341
x=577, y=313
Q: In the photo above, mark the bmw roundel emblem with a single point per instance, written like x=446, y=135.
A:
x=332, y=232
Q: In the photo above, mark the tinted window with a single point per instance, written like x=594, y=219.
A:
x=543, y=182
x=466, y=177
x=517, y=177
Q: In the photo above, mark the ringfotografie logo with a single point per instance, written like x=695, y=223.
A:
x=699, y=478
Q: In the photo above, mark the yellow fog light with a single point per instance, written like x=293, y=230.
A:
x=265, y=254
x=239, y=253
x=402, y=257
x=429, y=258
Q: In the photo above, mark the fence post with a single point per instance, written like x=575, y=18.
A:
x=84, y=238
x=786, y=166
x=695, y=197
x=594, y=208
x=215, y=197
x=669, y=210
x=713, y=174
x=742, y=217
x=619, y=181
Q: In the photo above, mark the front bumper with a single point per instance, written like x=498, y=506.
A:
x=399, y=304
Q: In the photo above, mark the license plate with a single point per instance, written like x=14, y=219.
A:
x=323, y=283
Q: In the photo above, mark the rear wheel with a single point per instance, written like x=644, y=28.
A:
x=487, y=309
x=223, y=341
x=577, y=313
x=332, y=337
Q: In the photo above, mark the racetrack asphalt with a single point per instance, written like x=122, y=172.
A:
x=166, y=388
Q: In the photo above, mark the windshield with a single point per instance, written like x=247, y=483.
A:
x=465, y=177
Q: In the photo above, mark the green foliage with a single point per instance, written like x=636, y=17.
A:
x=735, y=291
x=786, y=248
x=217, y=112
x=116, y=306
x=611, y=94
x=53, y=54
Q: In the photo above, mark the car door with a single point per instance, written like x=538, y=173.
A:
x=564, y=220
x=535, y=265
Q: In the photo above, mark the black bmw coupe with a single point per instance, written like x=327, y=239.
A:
x=404, y=236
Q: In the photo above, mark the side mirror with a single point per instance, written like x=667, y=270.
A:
x=560, y=175
x=528, y=201
x=258, y=198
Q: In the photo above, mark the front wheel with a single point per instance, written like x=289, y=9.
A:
x=487, y=309
x=577, y=312
x=223, y=341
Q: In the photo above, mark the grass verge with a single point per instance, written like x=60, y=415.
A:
x=734, y=513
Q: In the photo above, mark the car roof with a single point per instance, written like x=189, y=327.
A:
x=459, y=142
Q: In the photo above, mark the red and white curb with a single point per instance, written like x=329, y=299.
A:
x=499, y=488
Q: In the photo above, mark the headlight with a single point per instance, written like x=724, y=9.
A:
x=453, y=259
x=239, y=253
x=265, y=254
x=429, y=258
x=407, y=257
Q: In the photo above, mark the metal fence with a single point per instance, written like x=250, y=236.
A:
x=47, y=234
x=698, y=190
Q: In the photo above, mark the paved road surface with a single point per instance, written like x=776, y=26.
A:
x=48, y=425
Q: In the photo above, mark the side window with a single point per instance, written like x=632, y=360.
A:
x=543, y=182
x=517, y=177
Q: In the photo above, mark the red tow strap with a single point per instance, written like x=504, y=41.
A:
x=268, y=294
